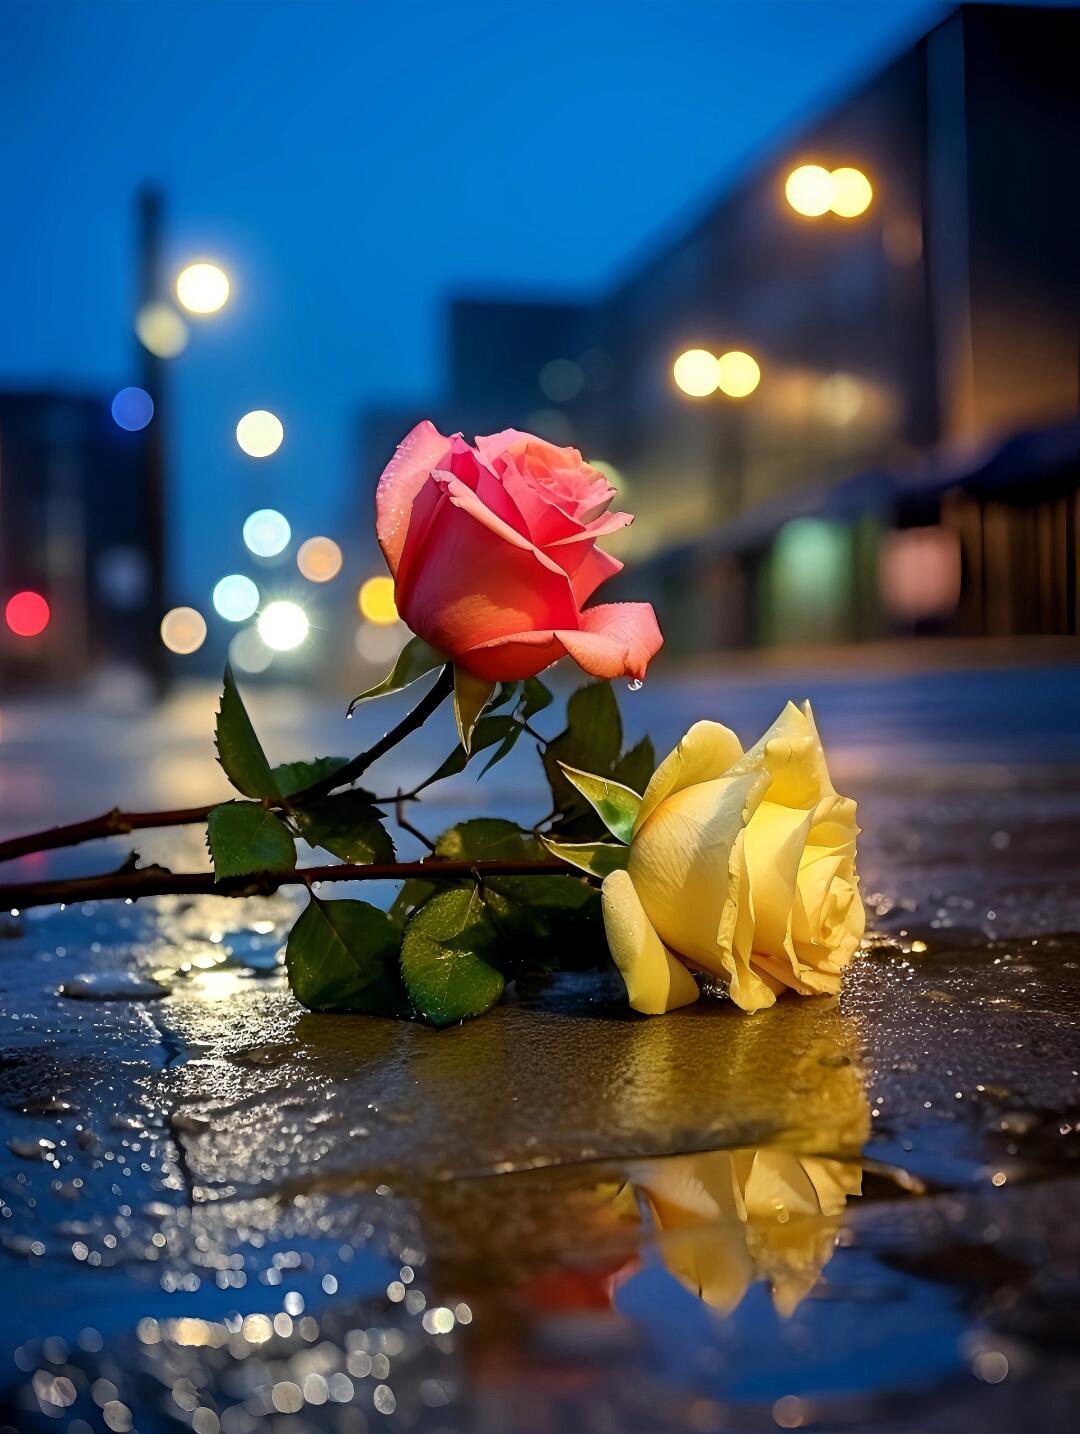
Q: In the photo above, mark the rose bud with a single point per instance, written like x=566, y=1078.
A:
x=493, y=552
x=741, y=866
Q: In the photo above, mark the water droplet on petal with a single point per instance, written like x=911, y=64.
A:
x=635, y=684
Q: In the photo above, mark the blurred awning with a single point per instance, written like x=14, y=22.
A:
x=1029, y=467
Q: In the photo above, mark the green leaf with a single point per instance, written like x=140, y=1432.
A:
x=442, y=958
x=552, y=922
x=244, y=837
x=535, y=697
x=591, y=743
x=598, y=858
x=347, y=825
x=293, y=777
x=342, y=956
x=471, y=696
x=636, y=766
x=414, y=660
x=486, y=733
x=487, y=839
x=238, y=748
x=503, y=696
x=505, y=747
x=616, y=806
x=413, y=894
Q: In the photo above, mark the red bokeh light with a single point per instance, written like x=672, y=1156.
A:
x=27, y=614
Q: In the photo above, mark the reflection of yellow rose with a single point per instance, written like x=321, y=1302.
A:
x=728, y=1218
x=741, y=865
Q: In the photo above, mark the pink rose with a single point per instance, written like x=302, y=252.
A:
x=493, y=552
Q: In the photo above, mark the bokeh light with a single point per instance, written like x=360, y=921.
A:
x=561, y=380
x=376, y=601
x=259, y=433
x=161, y=330
x=248, y=652
x=614, y=475
x=738, y=373
x=132, y=409
x=27, y=614
x=236, y=597
x=810, y=190
x=319, y=559
x=380, y=645
x=183, y=630
x=202, y=288
x=266, y=532
x=852, y=193
x=696, y=372
x=283, y=625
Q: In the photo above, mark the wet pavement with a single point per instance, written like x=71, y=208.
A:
x=221, y=1213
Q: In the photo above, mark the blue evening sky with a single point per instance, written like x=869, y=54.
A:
x=349, y=165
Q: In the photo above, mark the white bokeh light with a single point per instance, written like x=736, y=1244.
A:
x=267, y=532
x=283, y=625
x=236, y=597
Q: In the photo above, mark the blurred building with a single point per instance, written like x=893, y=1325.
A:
x=908, y=459
x=75, y=563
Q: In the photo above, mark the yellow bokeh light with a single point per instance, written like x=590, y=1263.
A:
x=739, y=374
x=319, y=559
x=810, y=190
x=852, y=193
x=202, y=288
x=695, y=372
x=161, y=330
x=283, y=626
x=183, y=630
x=260, y=433
x=376, y=601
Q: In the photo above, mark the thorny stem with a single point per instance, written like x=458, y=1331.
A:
x=157, y=881
x=120, y=823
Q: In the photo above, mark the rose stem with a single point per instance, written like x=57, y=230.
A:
x=118, y=823
x=157, y=881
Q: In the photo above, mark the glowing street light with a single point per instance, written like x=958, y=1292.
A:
x=809, y=190
x=236, y=597
x=183, y=630
x=852, y=193
x=283, y=626
x=376, y=601
x=266, y=532
x=319, y=559
x=696, y=373
x=202, y=288
x=259, y=433
x=738, y=374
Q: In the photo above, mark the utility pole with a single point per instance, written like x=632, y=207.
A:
x=150, y=219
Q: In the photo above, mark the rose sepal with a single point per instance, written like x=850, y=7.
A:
x=415, y=660
x=616, y=806
x=596, y=858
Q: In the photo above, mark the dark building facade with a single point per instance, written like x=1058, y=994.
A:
x=898, y=349
x=73, y=528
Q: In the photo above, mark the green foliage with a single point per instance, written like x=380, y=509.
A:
x=487, y=839
x=486, y=733
x=244, y=837
x=597, y=858
x=506, y=690
x=616, y=806
x=347, y=825
x=414, y=661
x=291, y=777
x=471, y=696
x=535, y=697
x=591, y=742
x=238, y=748
x=443, y=955
x=343, y=956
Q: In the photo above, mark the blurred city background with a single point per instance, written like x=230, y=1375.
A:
x=802, y=279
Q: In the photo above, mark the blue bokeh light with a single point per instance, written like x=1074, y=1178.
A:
x=132, y=408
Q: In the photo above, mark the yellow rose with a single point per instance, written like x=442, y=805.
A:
x=729, y=1218
x=741, y=865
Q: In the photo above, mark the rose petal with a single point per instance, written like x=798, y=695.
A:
x=655, y=981
x=614, y=640
x=421, y=450
x=596, y=567
x=705, y=753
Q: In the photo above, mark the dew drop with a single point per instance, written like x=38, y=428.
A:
x=635, y=684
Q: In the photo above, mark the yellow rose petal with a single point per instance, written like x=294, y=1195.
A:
x=655, y=981
x=705, y=753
